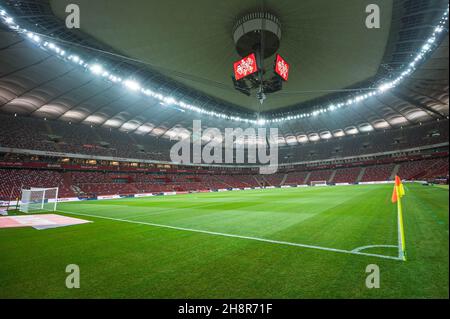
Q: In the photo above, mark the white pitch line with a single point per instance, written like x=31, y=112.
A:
x=238, y=236
x=373, y=246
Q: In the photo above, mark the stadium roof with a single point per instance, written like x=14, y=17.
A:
x=326, y=42
x=37, y=80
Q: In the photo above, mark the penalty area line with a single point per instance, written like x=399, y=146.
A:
x=271, y=241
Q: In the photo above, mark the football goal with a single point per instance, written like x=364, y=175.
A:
x=318, y=183
x=38, y=199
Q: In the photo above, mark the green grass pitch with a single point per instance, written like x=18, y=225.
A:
x=127, y=255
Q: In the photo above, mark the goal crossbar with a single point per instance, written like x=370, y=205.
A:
x=38, y=199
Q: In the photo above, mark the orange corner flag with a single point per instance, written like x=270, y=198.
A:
x=399, y=191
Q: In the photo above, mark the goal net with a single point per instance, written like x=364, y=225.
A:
x=318, y=183
x=38, y=199
x=4, y=206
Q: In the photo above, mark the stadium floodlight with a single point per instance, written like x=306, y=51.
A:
x=36, y=38
x=261, y=121
x=385, y=87
x=132, y=85
x=74, y=58
x=38, y=199
x=429, y=46
x=169, y=100
x=96, y=69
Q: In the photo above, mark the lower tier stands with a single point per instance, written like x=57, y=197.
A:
x=424, y=169
x=347, y=175
x=80, y=183
x=320, y=176
x=378, y=173
x=11, y=181
x=296, y=178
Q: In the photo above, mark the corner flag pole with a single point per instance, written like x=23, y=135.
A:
x=400, y=224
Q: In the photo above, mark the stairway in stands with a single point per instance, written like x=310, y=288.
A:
x=284, y=179
x=431, y=170
x=266, y=181
x=361, y=174
x=333, y=174
x=68, y=183
x=257, y=181
x=307, y=178
x=219, y=182
x=394, y=172
x=49, y=131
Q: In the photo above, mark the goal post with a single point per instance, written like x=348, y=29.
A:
x=4, y=207
x=318, y=183
x=38, y=199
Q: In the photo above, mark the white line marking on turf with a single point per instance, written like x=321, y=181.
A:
x=373, y=246
x=238, y=236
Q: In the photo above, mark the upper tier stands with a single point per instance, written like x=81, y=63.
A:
x=55, y=136
x=58, y=136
